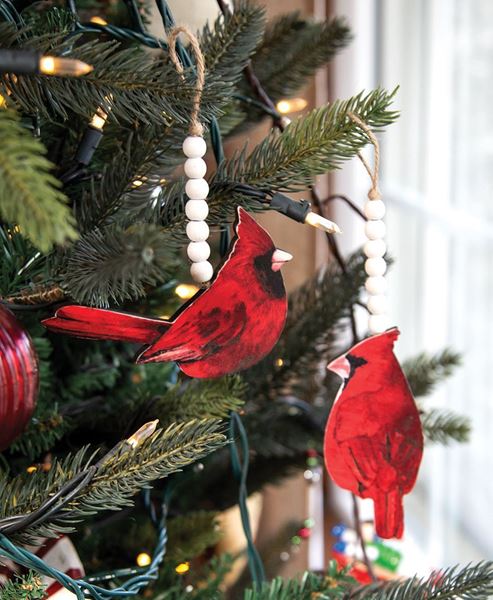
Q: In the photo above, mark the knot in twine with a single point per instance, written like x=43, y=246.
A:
x=374, y=192
x=196, y=127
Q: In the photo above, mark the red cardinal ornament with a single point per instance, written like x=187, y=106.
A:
x=227, y=327
x=373, y=440
x=18, y=378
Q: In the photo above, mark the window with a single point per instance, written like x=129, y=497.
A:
x=437, y=180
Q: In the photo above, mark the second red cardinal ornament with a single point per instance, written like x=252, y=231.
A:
x=373, y=440
x=227, y=327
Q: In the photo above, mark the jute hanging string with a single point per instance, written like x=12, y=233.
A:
x=374, y=192
x=196, y=127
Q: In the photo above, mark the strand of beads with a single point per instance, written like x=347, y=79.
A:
x=375, y=265
x=197, y=209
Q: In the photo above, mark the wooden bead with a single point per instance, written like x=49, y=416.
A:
x=375, y=248
x=375, y=266
x=374, y=210
x=196, y=210
x=375, y=230
x=195, y=168
x=198, y=251
x=197, y=189
x=194, y=146
x=202, y=271
x=376, y=285
x=378, y=323
x=197, y=231
x=377, y=305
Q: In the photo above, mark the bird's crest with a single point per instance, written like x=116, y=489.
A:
x=249, y=232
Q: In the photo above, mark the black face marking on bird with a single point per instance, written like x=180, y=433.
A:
x=354, y=363
x=270, y=280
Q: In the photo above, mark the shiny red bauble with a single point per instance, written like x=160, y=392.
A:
x=18, y=378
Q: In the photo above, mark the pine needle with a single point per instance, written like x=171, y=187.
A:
x=30, y=196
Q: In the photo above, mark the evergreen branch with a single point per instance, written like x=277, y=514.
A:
x=333, y=584
x=29, y=195
x=425, y=371
x=116, y=480
x=230, y=42
x=24, y=587
x=199, y=399
x=21, y=263
x=139, y=87
x=473, y=582
x=293, y=50
x=165, y=452
x=190, y=535
x=312, y=145
x=115, y=264
x=443, y=426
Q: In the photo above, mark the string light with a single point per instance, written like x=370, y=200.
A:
x=31, y=469
x=279, y=362
x=69, y=67
x=291, y=105
x=32, y=62
x=301, y=212
x=98, y=20
x=186, y=290
x=182, y=568
x=142, y=434
x=143, y=559
x=100, y=117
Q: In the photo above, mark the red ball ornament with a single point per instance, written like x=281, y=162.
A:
x=18, y=378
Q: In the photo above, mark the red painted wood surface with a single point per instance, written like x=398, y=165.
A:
x=225, y=328
x=373, y=440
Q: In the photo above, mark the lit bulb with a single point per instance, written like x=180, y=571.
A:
x=186, y=290
x=182, y=568
x=3, y=102
x=142, y=434
x=143, y=559
x=320, y=222
x=98, y=20
x=279, y=362
x=291, y=105
x=55, y=65
x=101, y=115
x=31, y=469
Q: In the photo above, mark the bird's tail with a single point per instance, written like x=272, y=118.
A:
x=389, y=515
x=100, y=324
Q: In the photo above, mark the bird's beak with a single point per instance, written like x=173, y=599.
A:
x=340, y=366
x=279, y=258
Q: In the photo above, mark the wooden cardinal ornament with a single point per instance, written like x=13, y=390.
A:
x=227, y=327
x=373, y=440
x=18, y=378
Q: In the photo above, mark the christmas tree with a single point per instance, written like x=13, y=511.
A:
x=120, y=455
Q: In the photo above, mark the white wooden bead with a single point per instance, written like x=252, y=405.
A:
x=376, y=285
x=375, y=266
x=378, y=323
x=375, y=248
x=202, y=271
x=195, y=168
x=197, y=189
x=197, y=231
x=198, y=251
x=196, y=210
x=194, y=146
x=375, y=230
x=377, y=305
x=375, y=209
